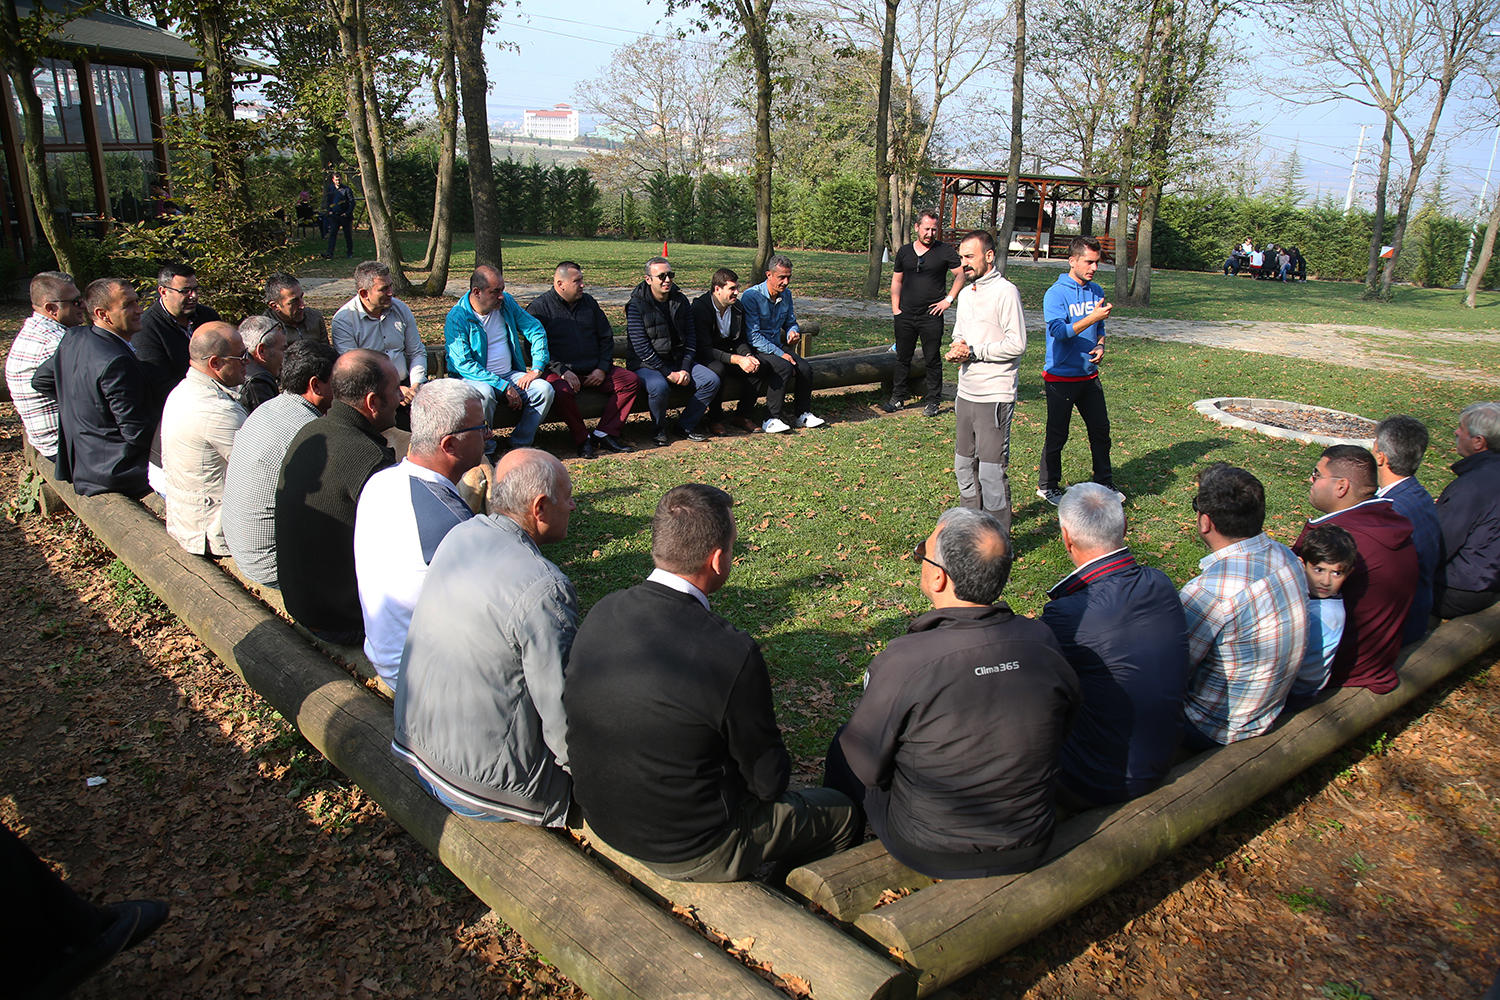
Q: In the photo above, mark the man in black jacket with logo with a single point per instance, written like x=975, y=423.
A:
x=167, y=328
x=719, y=320
x=676, y=756
x=953, y=749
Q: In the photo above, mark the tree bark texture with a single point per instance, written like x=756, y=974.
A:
x=467, y=21
x=755, y=19
x=1377, y=219
x=882, y=152
x=440, y=240
x=1127, y=160
x=1013, y=169
x=1471, y=297
x=20, y=64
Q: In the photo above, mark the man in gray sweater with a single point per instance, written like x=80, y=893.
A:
x=479, y=710
x=988, y=341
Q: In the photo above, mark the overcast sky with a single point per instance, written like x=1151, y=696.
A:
x=574, y=42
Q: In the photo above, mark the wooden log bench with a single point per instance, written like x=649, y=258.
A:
x=948, y=929
x=603, y=919
x=834, y=370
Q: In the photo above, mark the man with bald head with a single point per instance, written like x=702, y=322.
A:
x=198, y=425
x=501, y=350
x=1378, y=592
x=326, y=467
x=581, y=346
x=265, y=349
x=479, y=709
x=107, y=415
x=56, y=305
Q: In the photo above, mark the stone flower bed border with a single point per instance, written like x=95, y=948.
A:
x=1211, y=408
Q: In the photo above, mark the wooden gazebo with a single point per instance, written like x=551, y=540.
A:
x=1038, y=199
x=103, y=105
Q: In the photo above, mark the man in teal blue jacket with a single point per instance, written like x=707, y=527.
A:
x=484, y=336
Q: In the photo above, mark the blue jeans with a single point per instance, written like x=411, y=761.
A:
x=705, y=386
x=538, y=402
x=456, y=808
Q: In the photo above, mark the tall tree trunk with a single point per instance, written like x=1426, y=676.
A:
x=218, y=93
x=1377, y=222
x=440, y=241
x=387, y=245
x=1471, y=299
x=374, y=114
x=1013, y=169
x=1140, y=278
x=467, y=21
x=756, y=22
x=1127, y=162
x=1409, y=189
x=882, y=151
x=20, y=64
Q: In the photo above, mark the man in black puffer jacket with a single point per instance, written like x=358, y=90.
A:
x=662, y=350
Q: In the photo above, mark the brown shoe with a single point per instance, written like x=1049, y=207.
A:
x=717, y=430
x=745, y=424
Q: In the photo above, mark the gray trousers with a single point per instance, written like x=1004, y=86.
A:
x=798, y=828
x=981, y=452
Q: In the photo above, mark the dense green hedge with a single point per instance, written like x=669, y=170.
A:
x=1196, y=233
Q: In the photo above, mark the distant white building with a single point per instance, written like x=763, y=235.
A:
x=559, y=123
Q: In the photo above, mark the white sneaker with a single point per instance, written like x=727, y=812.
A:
x=808, y=420
x=775, y=426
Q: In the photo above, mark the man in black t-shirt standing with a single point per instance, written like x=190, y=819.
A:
x=919, y=275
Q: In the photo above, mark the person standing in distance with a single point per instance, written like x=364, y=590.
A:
x=918, y=274
x=1074, y=311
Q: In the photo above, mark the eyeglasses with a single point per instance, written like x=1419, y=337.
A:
x=919, y=551
x=665, y=276
x=1316, y=476
x=465, y=430
x=66, y=302
x=190, y=290
x=234, y=357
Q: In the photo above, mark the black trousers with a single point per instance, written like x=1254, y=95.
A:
x=751, y=387
x=1451, y=602
x=781, y=372
x=1088, y=399
x=346, y=223
x=910, y=329
x=42, y=916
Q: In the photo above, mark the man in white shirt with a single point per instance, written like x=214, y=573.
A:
x=198, y=425
x=406, y=510
x=374, y=319
x=988, y=341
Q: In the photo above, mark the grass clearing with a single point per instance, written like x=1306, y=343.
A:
x=1181, y=295
x=823, y=575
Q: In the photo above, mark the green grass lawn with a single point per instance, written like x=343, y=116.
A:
x=827, y=518
x=1183, y=295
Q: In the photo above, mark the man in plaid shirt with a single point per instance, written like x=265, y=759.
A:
x=1246, y=615
x=56, y=304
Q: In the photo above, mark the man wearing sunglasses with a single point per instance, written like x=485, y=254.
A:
x=953, y=749
x=56, y=305
x=662, y=349
x=198, y=425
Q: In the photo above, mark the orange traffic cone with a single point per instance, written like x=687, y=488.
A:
x=664, y=248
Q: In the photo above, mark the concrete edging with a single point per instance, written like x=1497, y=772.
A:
x=1210, y=408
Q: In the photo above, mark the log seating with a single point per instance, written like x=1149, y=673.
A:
x=616, y=942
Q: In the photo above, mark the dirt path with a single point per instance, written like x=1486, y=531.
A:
x=1364, y=347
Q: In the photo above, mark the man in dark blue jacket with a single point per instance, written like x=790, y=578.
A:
x=1400, y=443
x=1468, y=578
x=1121, y=627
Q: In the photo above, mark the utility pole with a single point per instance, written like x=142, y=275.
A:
x=1354, y=171
x=1479, y=210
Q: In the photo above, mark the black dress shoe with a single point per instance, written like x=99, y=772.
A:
x=588, y=449
x=78, y=964
x=152, y=913
x=614, y=444
x=695, y=435
x=661, y=437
